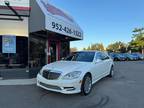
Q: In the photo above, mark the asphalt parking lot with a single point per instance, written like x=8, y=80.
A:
x=124, y=90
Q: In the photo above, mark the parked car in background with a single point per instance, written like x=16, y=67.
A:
x=139, y=56
x=143, y=56
x=117, y=56
x=123, y=58
x=111, y=55
x=77, y=73
x=130, y=56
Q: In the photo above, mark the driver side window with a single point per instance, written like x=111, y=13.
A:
x=99, y=56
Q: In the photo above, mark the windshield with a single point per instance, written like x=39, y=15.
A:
x=82, y=56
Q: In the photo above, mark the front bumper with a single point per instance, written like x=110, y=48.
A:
x=61, y=86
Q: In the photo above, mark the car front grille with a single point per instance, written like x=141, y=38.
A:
x=50, y=75
x=50, y=86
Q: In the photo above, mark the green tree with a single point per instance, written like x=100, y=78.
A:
x=138, y=30
x=96, y=46
x=84, y=49
x=117, y=47
x=88, y=48
x=137, y=42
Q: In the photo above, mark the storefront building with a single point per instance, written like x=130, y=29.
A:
x=54, y=28
x=43, y=37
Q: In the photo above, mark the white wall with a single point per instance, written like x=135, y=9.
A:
x=18, y=28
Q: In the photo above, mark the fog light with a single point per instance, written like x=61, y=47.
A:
x=69, y=88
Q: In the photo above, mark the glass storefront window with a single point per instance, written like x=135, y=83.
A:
x=65, y=47
x=18, y=59
x=37, y=52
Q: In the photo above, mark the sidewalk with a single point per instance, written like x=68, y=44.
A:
x=17, y=73
x=18, y=82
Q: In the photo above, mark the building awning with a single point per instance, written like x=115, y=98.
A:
x=45, y=16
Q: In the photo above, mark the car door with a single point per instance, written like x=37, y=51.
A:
x=106, y=63
x=97, y=69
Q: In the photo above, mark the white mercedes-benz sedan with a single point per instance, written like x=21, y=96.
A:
x=77, y=73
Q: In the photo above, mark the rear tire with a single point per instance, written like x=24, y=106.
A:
x=86, y=85
x=116, y=59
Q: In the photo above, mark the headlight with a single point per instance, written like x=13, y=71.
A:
x=72, y=75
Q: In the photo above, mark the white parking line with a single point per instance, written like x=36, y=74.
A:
x=18, y=82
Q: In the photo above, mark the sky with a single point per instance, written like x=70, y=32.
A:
x=104, y=21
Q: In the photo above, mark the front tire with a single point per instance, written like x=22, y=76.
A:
x=86, y=85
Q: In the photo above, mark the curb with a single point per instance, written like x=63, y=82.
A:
x=18, y=82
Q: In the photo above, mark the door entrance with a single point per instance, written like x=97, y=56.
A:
x=53, y=51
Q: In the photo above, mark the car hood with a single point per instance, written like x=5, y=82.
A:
x=66, y=66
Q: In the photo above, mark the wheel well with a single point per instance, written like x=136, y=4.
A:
x=112, y=66
x=82, y=84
